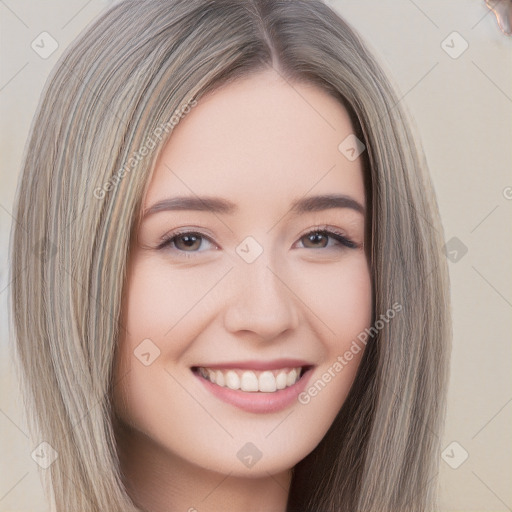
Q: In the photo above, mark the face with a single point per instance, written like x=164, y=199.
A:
x=250, y=278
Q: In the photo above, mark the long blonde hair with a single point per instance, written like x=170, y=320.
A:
x=79, y=197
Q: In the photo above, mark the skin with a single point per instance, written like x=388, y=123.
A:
x=260, y=142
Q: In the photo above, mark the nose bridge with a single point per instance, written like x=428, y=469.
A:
x=261, y=302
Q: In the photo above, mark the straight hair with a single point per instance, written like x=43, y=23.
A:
x=79, y=199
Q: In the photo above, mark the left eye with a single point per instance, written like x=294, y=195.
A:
x=319, y=234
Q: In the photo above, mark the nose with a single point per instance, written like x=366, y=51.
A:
x=261, y=301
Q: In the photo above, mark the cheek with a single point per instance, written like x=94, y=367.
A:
x=343, y=302
x=340, y=296
x=157, y=308
x=159, y=298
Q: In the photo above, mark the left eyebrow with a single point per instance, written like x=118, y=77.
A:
x=326, y=202
x=223, y=206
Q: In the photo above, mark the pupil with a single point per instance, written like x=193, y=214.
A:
x=189, y=240
x=315, y=237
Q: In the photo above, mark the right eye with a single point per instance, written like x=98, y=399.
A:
x=184, y=242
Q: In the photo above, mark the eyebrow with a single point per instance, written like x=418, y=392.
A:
x=224, y=206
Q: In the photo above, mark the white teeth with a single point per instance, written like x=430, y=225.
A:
x=291, y=377
x=232, y=380
x=219, y=378
x=267, y=382
x=281, y=380
x=251, y=381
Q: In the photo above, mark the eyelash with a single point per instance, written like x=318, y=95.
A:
x=168, y=239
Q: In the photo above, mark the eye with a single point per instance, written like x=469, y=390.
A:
x=318, y=238
x=184, y=241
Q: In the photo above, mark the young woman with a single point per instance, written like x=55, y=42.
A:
x=238, y=299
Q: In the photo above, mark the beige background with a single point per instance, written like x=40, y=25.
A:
x=462, y=110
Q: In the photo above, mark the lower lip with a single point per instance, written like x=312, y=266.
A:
x=258, y=402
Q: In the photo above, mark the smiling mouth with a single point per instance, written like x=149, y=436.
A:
x=253, y=381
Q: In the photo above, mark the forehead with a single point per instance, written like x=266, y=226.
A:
x=259, y=139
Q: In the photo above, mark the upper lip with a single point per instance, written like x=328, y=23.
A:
x=274, y=364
